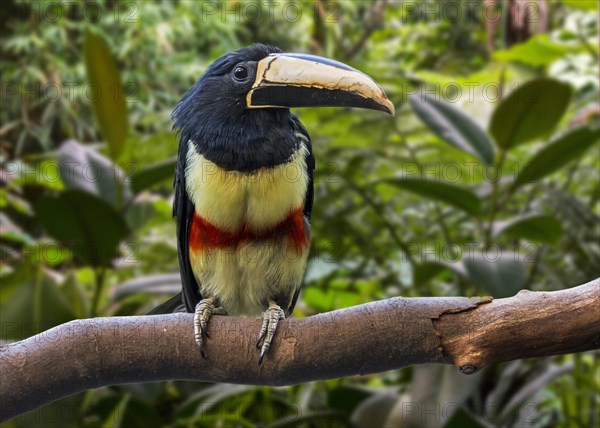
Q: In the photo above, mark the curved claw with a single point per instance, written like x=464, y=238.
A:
x=271, y=319
x=204, y=310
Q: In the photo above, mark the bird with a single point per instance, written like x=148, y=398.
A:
x=244, y=181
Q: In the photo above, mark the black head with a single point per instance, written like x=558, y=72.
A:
x=213, y=114
x=237, y=113
x=223, y=87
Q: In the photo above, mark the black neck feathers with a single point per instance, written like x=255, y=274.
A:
x=258, y=139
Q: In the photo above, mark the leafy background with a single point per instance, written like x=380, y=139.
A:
x=493, y=190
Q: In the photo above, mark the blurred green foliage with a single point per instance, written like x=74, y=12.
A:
x=486, y=182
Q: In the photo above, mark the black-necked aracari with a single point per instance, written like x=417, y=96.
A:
x=244, y=180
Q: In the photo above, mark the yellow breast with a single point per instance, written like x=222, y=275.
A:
x=258, y=199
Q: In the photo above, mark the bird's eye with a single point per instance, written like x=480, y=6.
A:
x=240, y=73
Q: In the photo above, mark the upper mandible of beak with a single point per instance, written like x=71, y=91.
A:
x=298, y=80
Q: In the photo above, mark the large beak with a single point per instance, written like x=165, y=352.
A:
x=298, y=80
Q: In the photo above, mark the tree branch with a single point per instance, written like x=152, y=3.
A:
x=375, y=337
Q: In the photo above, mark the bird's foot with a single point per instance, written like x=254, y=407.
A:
x=271, y=318
x=204, y=309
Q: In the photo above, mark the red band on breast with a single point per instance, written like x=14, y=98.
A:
x=205, y=236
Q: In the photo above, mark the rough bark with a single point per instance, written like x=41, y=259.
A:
x=375, y=337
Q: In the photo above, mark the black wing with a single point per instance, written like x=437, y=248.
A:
x=183, y=211
x=309, y=197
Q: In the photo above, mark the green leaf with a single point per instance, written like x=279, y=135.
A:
x=346, y=397
x=90, y=227
x=527, y=389
x=31, y=302
x=117, y=412
x=345, y=299
x=582, y=4
x=48, y=253
x=139, y=213
x=319, y=299
x=85, y=169
x=46, y=175
x=74, y=292
x=10, y=231
x=426, y=271
x=106, y=94
x=453, y=126
x=538, y=50
x=496, y=272
x=463, y=418
x=530, y=112
x=557, y=154
x=152, y=175
x=456, y=196
x=19, y=204
x=535, y=227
